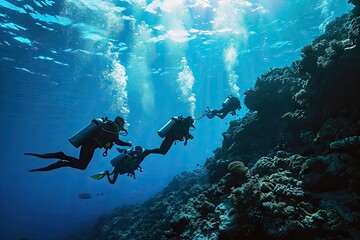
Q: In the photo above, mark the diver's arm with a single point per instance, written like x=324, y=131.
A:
x=122, y=143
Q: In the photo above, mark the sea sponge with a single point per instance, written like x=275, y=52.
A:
x=237, y=168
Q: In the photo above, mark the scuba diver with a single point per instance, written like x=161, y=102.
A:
x=99, y=133
x=230, y=105
x=126, y=162
x=176, y=129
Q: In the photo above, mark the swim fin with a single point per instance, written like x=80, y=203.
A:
x=99, y=176
x=58, y=164
x=203, y=114
x=59, y=155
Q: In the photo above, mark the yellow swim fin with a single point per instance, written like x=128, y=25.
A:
x=99, y=176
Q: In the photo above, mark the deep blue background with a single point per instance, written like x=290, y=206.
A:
x=57, y=72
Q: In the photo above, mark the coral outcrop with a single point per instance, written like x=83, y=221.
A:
x=287, y=170
x=151, y=219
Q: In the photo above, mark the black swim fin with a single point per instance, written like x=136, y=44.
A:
x=203, y=114
x=53, y=166
x=59, y=155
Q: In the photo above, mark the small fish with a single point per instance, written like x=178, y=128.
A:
x=85, y=196
x=100, y=194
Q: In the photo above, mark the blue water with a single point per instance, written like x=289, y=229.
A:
x=63, y=63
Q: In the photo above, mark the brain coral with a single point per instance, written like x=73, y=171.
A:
x=237, y=168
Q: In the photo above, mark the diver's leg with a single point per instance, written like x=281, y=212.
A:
x=152, y=151
x=145, y=153
x=222, y=113
x=59, y=155
x=86, y=154
x=213, y=112
x=115, y=175
x=222, y=116
x=164, y=147
x=53, y=166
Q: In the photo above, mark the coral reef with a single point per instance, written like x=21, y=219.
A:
x=286, y=170
x=237, y=168
x=345, y=143
x=151, y=219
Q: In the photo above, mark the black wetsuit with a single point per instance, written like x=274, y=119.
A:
x=178, y=132
x=128, y=166
x=231, y=106
x=105, y=136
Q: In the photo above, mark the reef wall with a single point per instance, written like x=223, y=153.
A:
x=289, y=169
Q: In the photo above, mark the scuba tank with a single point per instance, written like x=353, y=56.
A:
x=83, y=135
x=128, y=160
x=120, y=158
x=231, y=102
x=166, y=128
x=227, y=101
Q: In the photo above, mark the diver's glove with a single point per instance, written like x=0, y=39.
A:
x=131, y=174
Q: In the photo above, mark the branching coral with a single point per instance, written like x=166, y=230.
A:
x=334, y=128
x=268, y=166
x=346, y=143
x=288, y=190
x=326, y=219
x=310, y=55
x=354, y=29
x=298, y=114
x=334, y=51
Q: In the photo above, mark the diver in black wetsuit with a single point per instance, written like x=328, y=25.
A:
x=101, y=133
x=177, y=129
x=230, y=105
x=126, y=162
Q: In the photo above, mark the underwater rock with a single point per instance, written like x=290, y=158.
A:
x=151, y=219
x=216, y=168
x=281, y=154
x=274, y=88
x=333, y=129
x=330, y=172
